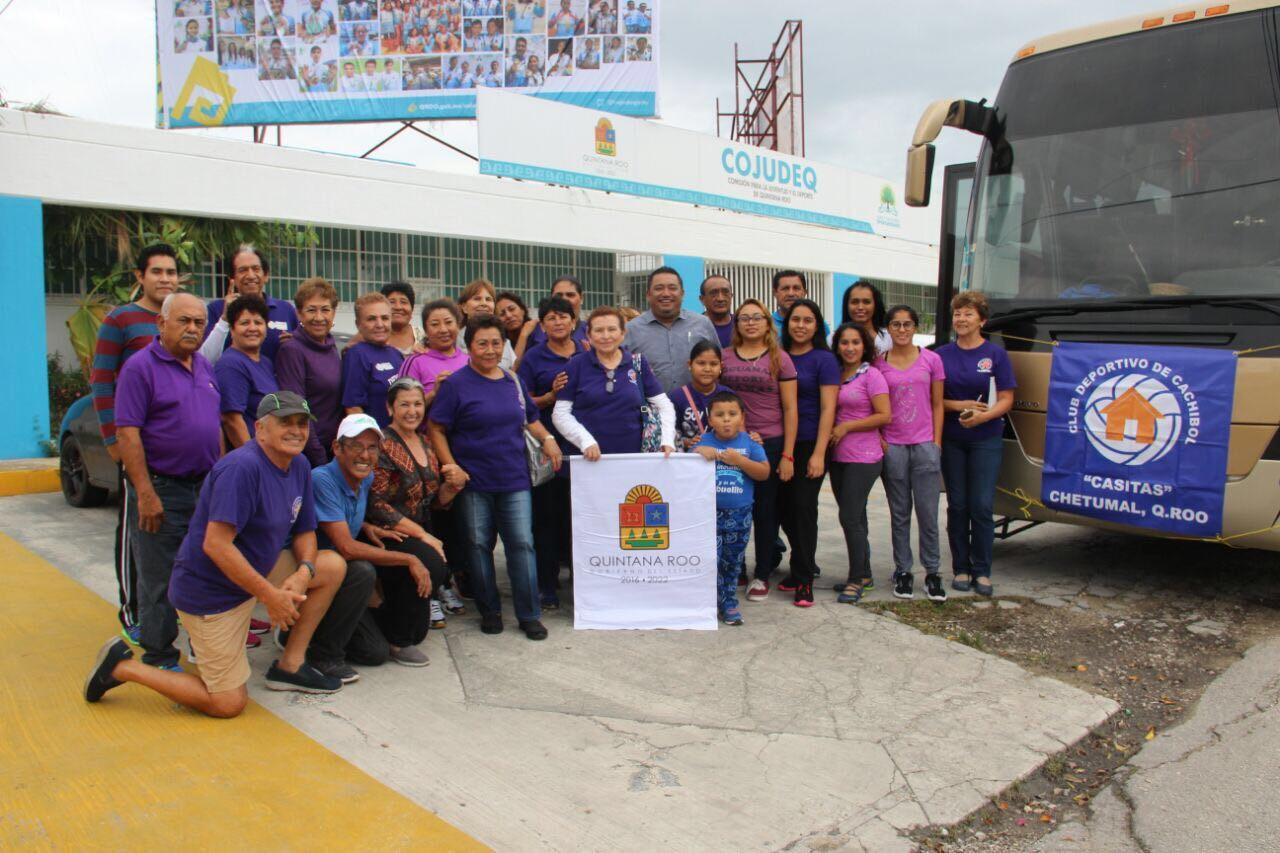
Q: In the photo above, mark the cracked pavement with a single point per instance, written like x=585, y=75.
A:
x=831, y=728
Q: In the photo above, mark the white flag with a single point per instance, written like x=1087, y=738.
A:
x=644, y=542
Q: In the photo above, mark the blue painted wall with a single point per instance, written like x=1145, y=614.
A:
x=692, y=272
x=839, y=283
x=25, y=422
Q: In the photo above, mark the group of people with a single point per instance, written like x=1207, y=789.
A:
x=359, y=494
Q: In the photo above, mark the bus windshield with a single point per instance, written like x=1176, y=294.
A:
x=1140, y=166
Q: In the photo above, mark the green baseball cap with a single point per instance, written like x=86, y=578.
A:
x=282, y=404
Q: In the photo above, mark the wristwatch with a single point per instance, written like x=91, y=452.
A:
x=309, y=566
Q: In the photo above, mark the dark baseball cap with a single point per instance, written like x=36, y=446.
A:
x=282, y=404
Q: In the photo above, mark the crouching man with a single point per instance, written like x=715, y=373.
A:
x=255, y=500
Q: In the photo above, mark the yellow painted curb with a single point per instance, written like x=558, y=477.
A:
x=29, y=481
x=136, y=770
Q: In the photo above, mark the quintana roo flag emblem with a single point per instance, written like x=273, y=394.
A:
x=644, y=521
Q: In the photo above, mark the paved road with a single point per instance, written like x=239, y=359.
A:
x=822, y=729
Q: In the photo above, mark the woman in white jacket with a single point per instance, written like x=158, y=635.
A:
x=602, y=406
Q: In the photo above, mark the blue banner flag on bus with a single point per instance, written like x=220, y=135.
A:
x=1139, y=436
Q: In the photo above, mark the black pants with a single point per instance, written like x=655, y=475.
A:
x=336, y=629
x=405, y=616
x=764, y=513
x=798, y=509
x=447, y=524
x=552, y=532
x=851, y=482
x=153, y=555
x=126, y=572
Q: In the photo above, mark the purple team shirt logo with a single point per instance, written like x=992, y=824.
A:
x=297, y=508
x=984, y=365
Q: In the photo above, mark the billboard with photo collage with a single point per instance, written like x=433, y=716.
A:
x=257, y=62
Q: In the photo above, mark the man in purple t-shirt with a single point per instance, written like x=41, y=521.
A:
x=167, y=428
x=256, y=501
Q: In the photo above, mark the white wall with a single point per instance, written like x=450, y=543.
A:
x=68, y=161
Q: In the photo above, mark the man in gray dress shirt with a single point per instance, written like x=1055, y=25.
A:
x=666, y=333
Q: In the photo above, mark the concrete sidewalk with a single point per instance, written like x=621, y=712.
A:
x=822, y=728
x=1207, y=784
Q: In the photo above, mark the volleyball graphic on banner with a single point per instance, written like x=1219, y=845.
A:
x=1133, y=419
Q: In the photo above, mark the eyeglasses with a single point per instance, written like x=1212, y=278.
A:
x=902, y=325
x=750, y=318
x=358, y=449
x=608, y=385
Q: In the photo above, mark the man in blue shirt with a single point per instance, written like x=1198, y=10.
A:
x=342, y=496
x=256, y=502
x=666, y=333
x=248, y=273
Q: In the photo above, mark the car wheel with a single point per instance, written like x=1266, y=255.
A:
x=76, y=488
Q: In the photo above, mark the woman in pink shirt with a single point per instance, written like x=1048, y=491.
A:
x=913, y=451
x=442, y=357
x=862, y=408
x=758, y=371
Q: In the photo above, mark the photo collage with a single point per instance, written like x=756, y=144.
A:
x=370, y=46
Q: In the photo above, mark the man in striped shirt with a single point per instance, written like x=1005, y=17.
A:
x=126, y=330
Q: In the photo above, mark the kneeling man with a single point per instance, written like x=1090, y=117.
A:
x=254, y=501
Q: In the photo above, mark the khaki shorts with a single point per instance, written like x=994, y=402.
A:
x=218, y=639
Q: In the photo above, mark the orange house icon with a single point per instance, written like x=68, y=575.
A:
x=1132, y=406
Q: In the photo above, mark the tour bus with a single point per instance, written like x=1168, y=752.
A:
x=1126, y=191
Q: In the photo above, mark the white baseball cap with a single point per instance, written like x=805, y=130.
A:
x=354, y=425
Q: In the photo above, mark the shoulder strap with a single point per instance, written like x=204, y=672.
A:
x=519, y=395
x=697, y=413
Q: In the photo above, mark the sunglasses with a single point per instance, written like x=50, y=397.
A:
x=608, y=385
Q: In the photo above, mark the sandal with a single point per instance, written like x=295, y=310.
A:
x=961, y=585
x=851, y=594
x=982, y=586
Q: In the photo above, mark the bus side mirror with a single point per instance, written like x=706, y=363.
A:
x=973, y=116
x=919, y=175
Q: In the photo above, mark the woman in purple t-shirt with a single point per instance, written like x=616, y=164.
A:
x=442, y=356
x=978, y=393
x=862, y=408
x=817, y=381
x=913, y=451
x=759, y=372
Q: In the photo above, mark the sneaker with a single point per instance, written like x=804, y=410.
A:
x=851, y=593
x=534, y=630
x=491, y=623
x=252, y=641
x=100, y=679
x=409, y=656
x=259, y=626
x=550, y=601
x=933, y=588
x=307, y=679
x=452, y=601
x=132, y=635
x=281, y=637
x=804, y=595
x=742, y=579
x=731, y=616
x=758, y=591
x=437, y=615
x=903, y=586
x=339, y=670
x=817, y=571
x=788, y=584
x=171, y=667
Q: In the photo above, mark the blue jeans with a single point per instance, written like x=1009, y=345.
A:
x=485, y=516
x=970, y=469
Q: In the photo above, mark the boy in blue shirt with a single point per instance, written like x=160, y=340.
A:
x=739, y=461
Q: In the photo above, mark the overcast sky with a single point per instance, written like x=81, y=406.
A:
x=870, y=68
